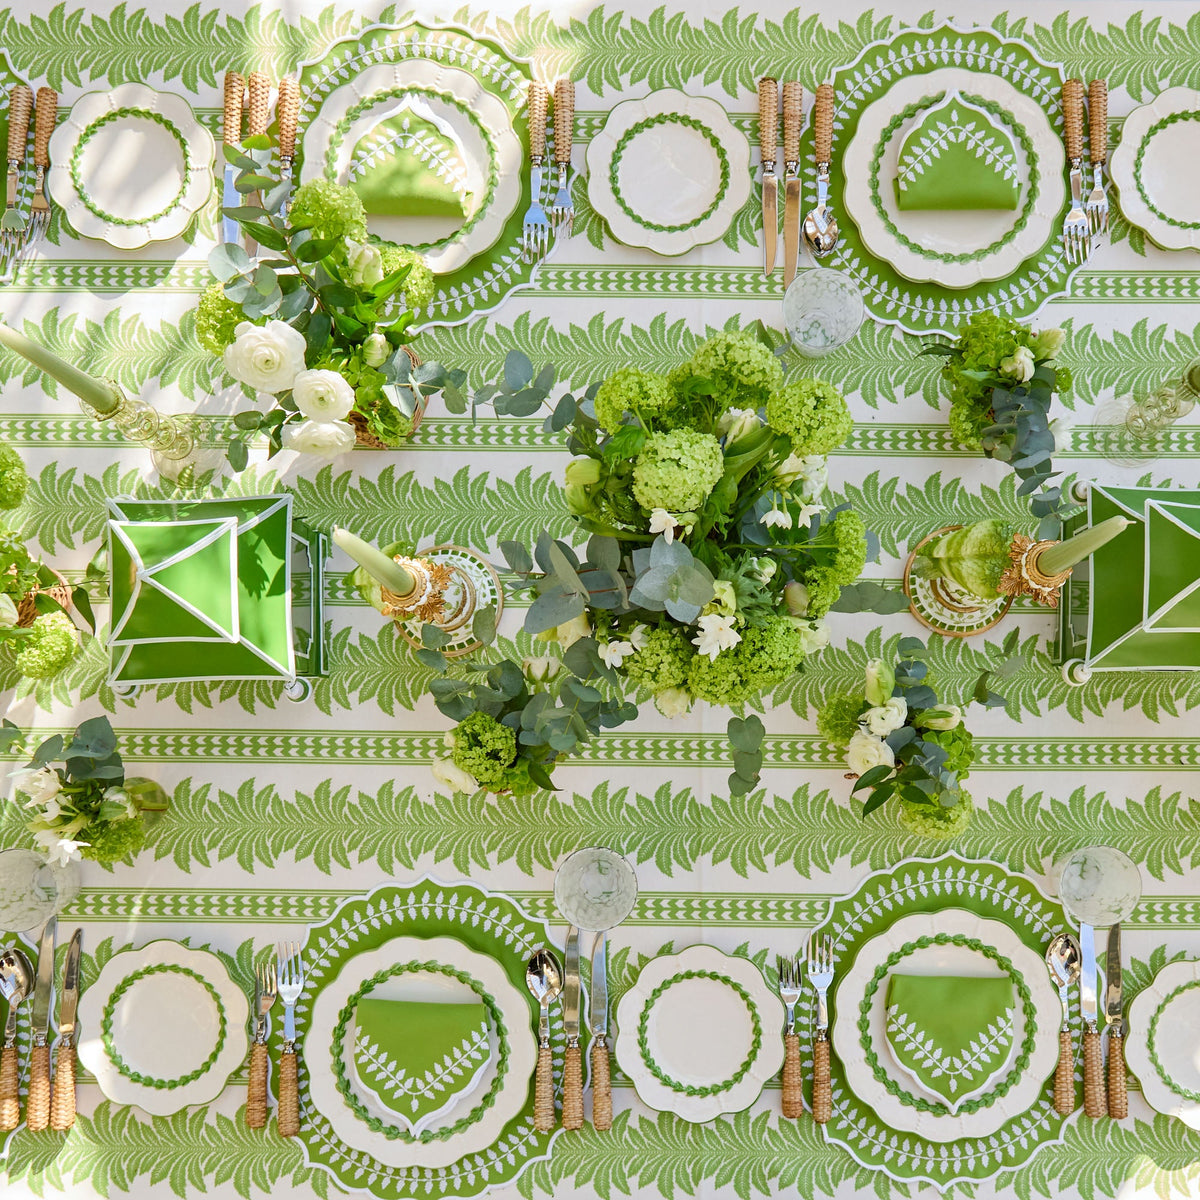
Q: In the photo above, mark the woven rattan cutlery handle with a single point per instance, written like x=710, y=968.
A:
x=564, y=120
x=288, y=111
x=10, y=1110
x=1093, y=1076
x=62, y=1103
x=1098, y=120
x=793, y=118
x=543, y=1092
x=1118, y=1099
x=539, y=102
x=768, y=119
x=823, y=123
x=822, y=1103
x=1064, y=1075
x=37, y=1103
x=793, y=1080
x=601, y=1086
x=45, y=116
x=1072, y=102
x=256, y=1090
x=259, y=87
x=572, y=1111
x=235, y=88
x=20, y=109
x=289, y=1095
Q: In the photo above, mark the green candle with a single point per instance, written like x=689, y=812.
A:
x=376, y=564
x=1055, y=559
x=97, y=393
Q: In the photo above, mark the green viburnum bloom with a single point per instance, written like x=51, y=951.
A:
x=642, y=393
x=217, y=317
x=837, y=720
x=813, y=414
x=742, y=370
x=330, y=210
x=942, y=824
x=114, y=841
x=14, y=479
x=967, y=423
x=53, y=641
x=767, y=655
x=663, y=660
x=418, y=287
x=676, y=471
x=823, y=592
x=484, y=748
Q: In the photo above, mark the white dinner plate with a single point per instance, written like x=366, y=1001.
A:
x=1163, y=1046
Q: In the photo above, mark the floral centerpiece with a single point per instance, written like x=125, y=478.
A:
x=1002, y=378
x=319, y=321
x=902, y=741
x=85, y=807
x=711, y=558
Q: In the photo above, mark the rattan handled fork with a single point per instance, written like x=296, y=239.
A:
x=562, y=211
x=1097, y=201
x=1076, y=233
x=291, y=984
x=820, y=976
x=535, y=232
x=793, y=1082
x=256, y=1093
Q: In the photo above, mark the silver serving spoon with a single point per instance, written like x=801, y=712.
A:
x=820, y=225
x=1065, y=961
x=543, y=977
x=16, y=982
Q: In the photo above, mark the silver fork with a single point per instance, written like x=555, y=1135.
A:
x=820, y=976
x=535, y=233
x=265, y=990
x=562, y=211
x=1077, y=241
x=291, y=984
x=789, y=993
x=1097, y=201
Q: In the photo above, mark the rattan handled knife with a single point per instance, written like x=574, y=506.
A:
x=793, y=98
x=768, y=140
x=62, y=1104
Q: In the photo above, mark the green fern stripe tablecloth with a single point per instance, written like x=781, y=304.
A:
x=283, y=812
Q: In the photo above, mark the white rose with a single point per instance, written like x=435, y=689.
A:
x=673, y=702
x=1062, y=429
x=1048, y=343
x=764, y=569
x=118, y=795
x=881, y=679
x=375, y=350
x=1020, y=366
x=268, y=357
x=364, y=264
x=887, y=717
x=540, y=669
x=951, y=720
x=8, y=612
x=453, y=776
x=326, y=439
x=813, y=637
x=38, y=783
x=865, y=752
x=322, y=395
x=736, y=423
x=569, y=632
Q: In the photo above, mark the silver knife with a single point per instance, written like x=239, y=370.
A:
x=598, y=1026
x=62, y=1107
x=231, y=135
x=1093, y=1075
x=37, y=1106
x=1118, y=1103
x=572, y=1111
x=768, y=140
x=793, y=99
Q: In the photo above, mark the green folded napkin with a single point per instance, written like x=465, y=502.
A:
x=955, y=156
x=407, y=166
x=419, y=1058
x=952, y=1035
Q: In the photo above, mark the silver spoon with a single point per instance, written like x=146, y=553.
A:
x=16, y=982
x=1065, y=961
x=820, y=225
x=543, y=977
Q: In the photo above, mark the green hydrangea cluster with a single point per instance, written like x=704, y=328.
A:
x=418, y=287
x=484, y=748
x=984, y=342
x=959, y=745
x=216, y=318
x=113, y=841
x=18, y=571
x=837, y=719
x=641, y=392
x=677, y=470
x=742, y=370
x=663, y=661
x=813, y=414
x=930, y=822
x=767, y=655
x=53, y=641
x=331, y=211
x=823, y=592
x=967, y=422
x=850, y=547
x=14, y=479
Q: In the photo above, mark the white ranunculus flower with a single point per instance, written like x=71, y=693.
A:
x=375, y=350
x=736, y=423
x=886, y=718
x=881, y=680
x=764, y=569
x=453, y=776
x=724, y=599
x=716, y=634
x=266, y=357
x=1062, y=429
x=1019, y=366
x=1048, y=343
x=776, y=518
x=813, y=637
x=8, y=612
x=364, y=264
x=325, y=439
x=673, y=702
x=118, y=795
x=951, y=720
x=569, y=632
x=38, y=783
x=866, y=751
x=540, y=669
x=322, y=395
x=615, y=653
x=58, y=850
x=663, y=522
x=795, y=596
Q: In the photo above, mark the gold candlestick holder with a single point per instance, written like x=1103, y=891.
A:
x=1024, y=576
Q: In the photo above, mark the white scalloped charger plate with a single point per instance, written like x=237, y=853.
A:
x=668, y=172
x=492, y=149
x=848, y=996
x=130, y=166
x=1163, y=1046
x=163, y=1023
x=1156, y=168
x=964, y=235
x=513, y=1090
x=700, y=1034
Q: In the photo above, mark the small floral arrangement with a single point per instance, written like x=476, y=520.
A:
x=85, y=808
x=901, y=741
x=711, y=558
x=1002, y=377
x=321, y=324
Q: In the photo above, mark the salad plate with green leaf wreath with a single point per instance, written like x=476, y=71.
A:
x=1163, y=1044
